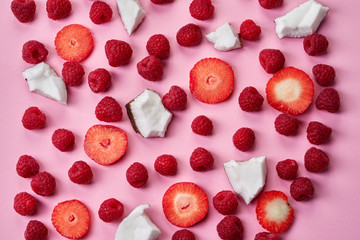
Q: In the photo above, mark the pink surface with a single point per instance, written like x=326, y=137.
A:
x=333, y=212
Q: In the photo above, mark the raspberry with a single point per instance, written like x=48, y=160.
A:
x=33, y=118
x=286, y=125
x=201, y=160
x=175, y=99
x=27, y=166
x=225, y=202
x=25, y=204
x=58, y=9
x=23, y=10
x=230, y=228
x=302, y=189
x=150, y=68
x=158, y=45
x=183, y=234
x=108, y=110
x=80, y=173
x=202, y=125
x=72, y=73
x=266, y=236
x=328, y=100
x=249, y=30
x=118, y=52
x=250, y=100
x=111, y=210
x=272, y=60
x=100, y=12
x=43, y=184
x=269, y=4
x=166, y=165
x=34, y=52
x=318, y=133
x=324, y=74
x=201, y=9
x=189, y=35
x=35, y=230
x=316, y=160
x=137, y=175
x=63, y=139
x=287, y=169
x=315, y=44
x=244, y=139
x=99, y=80
x=161, y=1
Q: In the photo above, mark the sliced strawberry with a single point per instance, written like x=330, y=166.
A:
x=105, y=144
x=74, y=42
x=290, y=91
x=185, y=204
x=274, y=212
x=211, y=80
x=71, y=219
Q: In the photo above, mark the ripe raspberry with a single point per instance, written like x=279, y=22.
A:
x=272, y=60
x=230, y=228
x=111, y=210
x=189, y=35
x=318, y=133
x=43, y=184
x=166, y=165
x=161, y=1
x=34, y=52
x=286, y=125
x=118, y=52
x=80, y=173
x=99, y=80
x=302, y=189
x=137, y=175
x=201, y=160
x=158, y=45
x=250, y=100
x=287, y=169
x=202, y=125
x=108, y=110
x=175, y=99
x=150, y=68
x=266, y=236
x=249, y=30
x=35, y=230
x=183, y=234
x=72, y=73
x=33, y=118
x=244, y=139
x=201, y=9
x=225, y=202
x=316, y=160
x=25, y=204
x=315, y=44
x=63, y=139
x=23, y=10
x=328, y=100
x=324, y=74
x=269, y=4
x=27, y=166
x=100, y=12
x=58, y=9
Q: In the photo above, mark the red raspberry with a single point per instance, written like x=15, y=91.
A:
x=249, y=30
x=201, y=160
x=183, y=234
x=72, y=73
x=328, y=100
x=58, y=9
x=315, y=44
x=100, y=12
x=244, y=139
x=108, y=110
x=161, y=1
x=272, y=60
x=266, y=236
x=35, y=230
x=202, y=125
x=137, y=175
x=150, y=68
x=80, y=173
x=225, y=202
x=63, y=139
x=189, y=35
x=27, y=166
x=99, y=80
x=158, y=45
x=230, y=228
x=118, y=52
x=286, y=125
x=25, y=204
x=43, y=184
x=302, y=189
x=111, y=210
x=201, y=9
x=175, y=99
x=324, y=74
x=316, y=160
x=269, y=4
x=34, y=52
x=33, y=118
x=250, y=100
x=287, y=169
x=318, y=133
x=166, y=165
x=23, y=10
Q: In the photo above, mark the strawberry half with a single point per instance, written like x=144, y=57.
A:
x=211, y=80
x=274, y=212
x=290, y=91
x=71, y=219
x=185, y=204
x=105, y=144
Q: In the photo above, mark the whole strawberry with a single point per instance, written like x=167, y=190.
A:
x=201, y=9
x=108, y=110
x=23, y=10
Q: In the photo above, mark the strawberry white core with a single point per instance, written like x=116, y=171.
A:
x=288, y=90
x=277, y=210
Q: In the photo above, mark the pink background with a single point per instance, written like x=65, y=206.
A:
x=333, y=212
